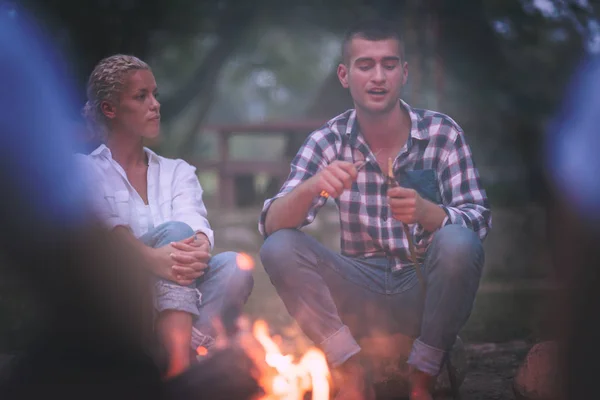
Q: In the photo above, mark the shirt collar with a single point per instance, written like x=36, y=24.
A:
x=418, y=130
x=103, y=150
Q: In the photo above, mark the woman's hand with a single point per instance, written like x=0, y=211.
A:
x=191, y=259
x=182, y=262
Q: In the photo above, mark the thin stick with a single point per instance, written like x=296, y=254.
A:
x=411, y=246
x=360, y=166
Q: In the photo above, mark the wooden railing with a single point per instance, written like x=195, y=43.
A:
x=228, y=168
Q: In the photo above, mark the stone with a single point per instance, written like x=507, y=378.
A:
x=538, y=376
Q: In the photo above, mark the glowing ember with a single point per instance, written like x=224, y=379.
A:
x=288, y=380
x=245, y=262
x=201, y=351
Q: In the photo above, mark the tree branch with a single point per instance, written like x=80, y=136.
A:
x=231, y=28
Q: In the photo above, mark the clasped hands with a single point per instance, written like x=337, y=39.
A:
x=183, y=261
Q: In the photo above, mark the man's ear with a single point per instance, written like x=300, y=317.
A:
x=404, y=73
x=342, y=73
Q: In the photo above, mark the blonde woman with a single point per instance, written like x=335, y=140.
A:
x=156, y=204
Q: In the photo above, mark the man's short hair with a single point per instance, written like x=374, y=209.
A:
x=372, y=29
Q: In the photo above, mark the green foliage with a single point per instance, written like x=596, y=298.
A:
x=505, y=64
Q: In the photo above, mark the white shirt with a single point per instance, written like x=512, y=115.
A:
x=174, y=193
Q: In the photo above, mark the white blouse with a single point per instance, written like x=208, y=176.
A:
x=174, y=193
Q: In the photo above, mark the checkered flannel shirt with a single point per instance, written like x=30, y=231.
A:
x=436, y=143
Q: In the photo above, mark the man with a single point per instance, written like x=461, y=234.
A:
x=372, y=286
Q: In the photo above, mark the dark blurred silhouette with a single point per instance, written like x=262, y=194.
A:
x=573, y=170
x=96, y=340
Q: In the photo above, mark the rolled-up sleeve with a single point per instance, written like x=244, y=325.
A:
x=309, y=159
x=464, y=199
x=188, y=205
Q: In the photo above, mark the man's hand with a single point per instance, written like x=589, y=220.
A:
x=290, y=210
x=335, y=178
x=409, y=207
x=406, y=204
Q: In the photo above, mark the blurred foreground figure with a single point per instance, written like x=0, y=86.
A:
x=573, y=169
x=90, y=288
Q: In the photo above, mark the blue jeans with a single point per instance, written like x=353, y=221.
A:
x=222, y=284
x=338, y=300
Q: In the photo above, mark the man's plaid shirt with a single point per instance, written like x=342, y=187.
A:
x=436, y=148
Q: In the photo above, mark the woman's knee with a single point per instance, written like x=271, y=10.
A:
x=176, y=230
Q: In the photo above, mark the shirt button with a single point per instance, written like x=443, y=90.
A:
x=385, y=217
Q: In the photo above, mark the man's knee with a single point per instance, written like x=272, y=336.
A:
x=278, y=249
x=176, y=230
x=459, y=248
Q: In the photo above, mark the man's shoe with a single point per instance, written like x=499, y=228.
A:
x=356, y=381
x=420, y=385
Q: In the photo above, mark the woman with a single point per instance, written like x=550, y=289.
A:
x=156, y=204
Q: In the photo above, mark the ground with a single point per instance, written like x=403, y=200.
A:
x=490, y=365
x=508, y=315
x=491, y=368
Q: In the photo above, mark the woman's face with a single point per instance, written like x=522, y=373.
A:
x=137, y=111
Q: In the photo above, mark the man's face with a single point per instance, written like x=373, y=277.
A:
x=374, y=73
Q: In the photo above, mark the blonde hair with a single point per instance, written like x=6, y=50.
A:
x=105, y=84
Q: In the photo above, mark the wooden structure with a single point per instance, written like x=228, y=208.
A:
x=228, y=169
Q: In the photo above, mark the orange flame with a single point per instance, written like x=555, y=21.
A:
x=245, y=262
x=292, y=380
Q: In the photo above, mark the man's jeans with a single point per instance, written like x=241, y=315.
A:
x=206, y=298
x=338, y=300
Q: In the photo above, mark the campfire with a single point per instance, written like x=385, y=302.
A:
x=285, y=379
x=282, y=376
